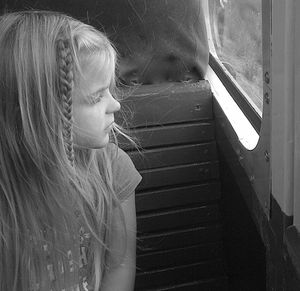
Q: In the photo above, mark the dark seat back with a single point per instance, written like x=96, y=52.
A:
x=179, y=232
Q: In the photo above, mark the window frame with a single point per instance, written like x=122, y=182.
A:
x=281, y=101
x=236, y=91
x=291, y=128
x=250, y=139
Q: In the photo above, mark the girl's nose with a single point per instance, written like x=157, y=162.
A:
x=113, y=105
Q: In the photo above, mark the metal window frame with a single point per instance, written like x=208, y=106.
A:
x=236, y=91
x=255, y=161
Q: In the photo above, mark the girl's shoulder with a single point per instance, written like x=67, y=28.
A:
x=125, y=175
x=114, y=152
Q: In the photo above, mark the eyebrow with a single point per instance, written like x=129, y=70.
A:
x=98, y=91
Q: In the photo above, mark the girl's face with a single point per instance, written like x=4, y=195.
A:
x=93, y=104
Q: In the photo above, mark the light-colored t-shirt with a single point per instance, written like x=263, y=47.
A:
x=125, y=180
x=126, y=177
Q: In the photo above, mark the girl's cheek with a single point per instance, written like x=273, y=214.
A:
x=100, y=109
x=100, y=105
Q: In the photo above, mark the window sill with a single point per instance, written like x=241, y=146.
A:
x=241, y=125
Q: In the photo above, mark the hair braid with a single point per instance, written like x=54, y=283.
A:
x=65, y=63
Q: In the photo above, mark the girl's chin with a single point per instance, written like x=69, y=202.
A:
x=96, y=143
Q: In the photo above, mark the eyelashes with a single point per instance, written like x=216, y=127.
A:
x=96, y=98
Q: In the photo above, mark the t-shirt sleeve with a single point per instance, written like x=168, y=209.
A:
x=125, y=176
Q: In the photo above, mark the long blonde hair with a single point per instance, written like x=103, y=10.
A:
x=43, y=181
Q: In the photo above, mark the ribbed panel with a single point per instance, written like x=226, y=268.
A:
x=179, y=243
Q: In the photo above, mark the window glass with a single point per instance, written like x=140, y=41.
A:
x=236, y=27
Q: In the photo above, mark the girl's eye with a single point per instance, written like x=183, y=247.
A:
x=96, y=98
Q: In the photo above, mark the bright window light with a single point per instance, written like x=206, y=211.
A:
x=236, y=30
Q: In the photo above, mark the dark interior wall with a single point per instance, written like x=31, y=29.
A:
x=158, y=41
x=245, y=252
x=242, y=210
x=257, y=258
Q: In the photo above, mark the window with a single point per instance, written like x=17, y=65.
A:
x=236, y=32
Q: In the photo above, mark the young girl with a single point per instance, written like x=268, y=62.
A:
x=67, y=208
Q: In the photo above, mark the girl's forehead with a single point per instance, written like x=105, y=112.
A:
x=97, y=68
x=97, y=63
x=96, y=72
